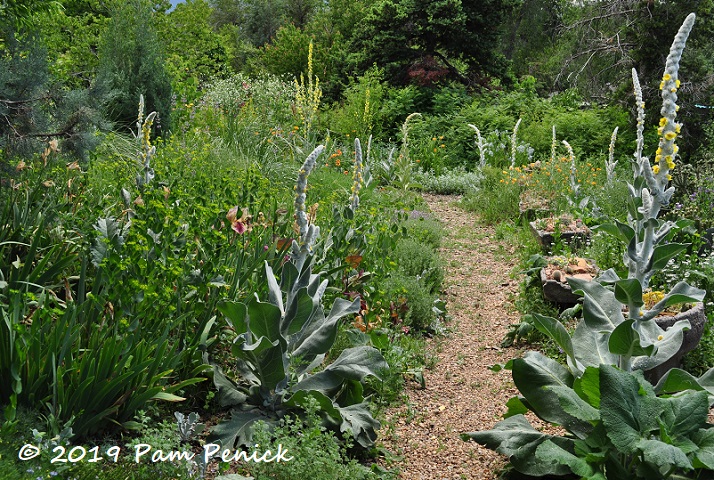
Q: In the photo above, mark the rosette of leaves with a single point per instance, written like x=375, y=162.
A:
x=279, y=346
x=618, y=428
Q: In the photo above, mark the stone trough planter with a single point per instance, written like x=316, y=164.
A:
x=570, y=231
x=554, y=278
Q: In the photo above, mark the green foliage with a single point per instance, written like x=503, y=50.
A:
x=495, y=200
x=361, y=113
x=413, y=304
x=422, y=42
x=280, y=343
x=194, y=51
x=617, y=426
x=316, y=452
x=416, y=259
x=452, y=182
x=425, y=231
x=131, y=63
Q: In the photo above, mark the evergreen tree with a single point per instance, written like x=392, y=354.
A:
x=423, y=41
x=131, y=63
x=35, y=106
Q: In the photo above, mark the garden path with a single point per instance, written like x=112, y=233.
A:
x=461, y=393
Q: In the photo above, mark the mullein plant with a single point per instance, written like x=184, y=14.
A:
x=514, y=143
x=144, y=156
x=618, y=424
x=611, y=163
x=401, y=169
x=357, y=175
x=307, y=94
x=481, y=145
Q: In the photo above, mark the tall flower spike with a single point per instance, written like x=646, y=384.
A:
x=481, y=147
x=514, y=140
x=301, y=195
x=356, y=176
x=553, y=147
x=669, y=128
x=637, y=165
x=573, y=171
x=611, y=163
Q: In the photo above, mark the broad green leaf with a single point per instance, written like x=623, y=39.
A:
x=619, y=230
x=320, y=333
x=573, y=405
x=625, y=340
x=620, y=408
x=299, y=310
x=556, y=331
x=629, y=292
x=514, y=407
x=591, y=346
x=515, y=438
x=601, y=310
x=588, y=386
x=662, y=454
x=359, y=420
x=237, y=315
x=238, y=430
x=677, y=380
x=663, y=254
x=264, y=320
x=550, y=453
x=704, y=457
x=228, y=394
x=685, y=414
x=531, y=374
x=358, y=362
x=275, y=295
x=667, y=346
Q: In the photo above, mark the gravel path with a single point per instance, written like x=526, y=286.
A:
x=461, y=393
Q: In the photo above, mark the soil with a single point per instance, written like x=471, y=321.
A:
x=462, y=394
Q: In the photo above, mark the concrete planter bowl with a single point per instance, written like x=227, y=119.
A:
x=697, y=319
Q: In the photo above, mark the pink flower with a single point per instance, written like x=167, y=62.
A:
x=240, y=225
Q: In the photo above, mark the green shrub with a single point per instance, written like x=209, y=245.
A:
x=317, y=454
x=425, y=231
x=413, y=302
x=415, y=259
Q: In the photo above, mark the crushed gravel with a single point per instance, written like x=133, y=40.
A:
x=462, y=394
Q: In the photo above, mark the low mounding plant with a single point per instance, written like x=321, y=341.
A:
x=617, y=426
x=282, y=342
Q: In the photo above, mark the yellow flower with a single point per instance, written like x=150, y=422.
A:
x=678, y=83
x=662, y=122
x=670, y=136
x=667, y=77
x=669, y=177
x=655, y=169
